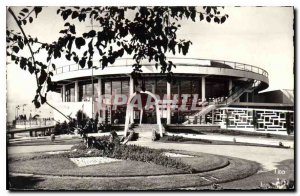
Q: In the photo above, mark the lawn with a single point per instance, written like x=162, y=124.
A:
x=63, y=166
x=63, y=174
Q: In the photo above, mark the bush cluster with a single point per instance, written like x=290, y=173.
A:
x=108, y=147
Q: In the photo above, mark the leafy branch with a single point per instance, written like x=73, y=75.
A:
x=143, y=33
x=38, y=79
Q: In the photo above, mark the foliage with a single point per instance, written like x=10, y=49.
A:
x=60, y=128
x=105, y=146
x=81, y=118
x=279, y=184
x=144, y=33
x=65, y=127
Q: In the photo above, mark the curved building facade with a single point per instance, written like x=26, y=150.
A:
x=201, y=87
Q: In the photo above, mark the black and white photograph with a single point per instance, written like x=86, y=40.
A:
x=150, y=98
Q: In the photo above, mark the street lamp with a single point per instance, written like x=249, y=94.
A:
x=23, y=108
x=17, y=109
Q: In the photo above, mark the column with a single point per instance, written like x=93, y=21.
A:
x=141, y=116
x=203, y=89
x=99, y=101
x=131, y=86
x=76, y=92
x=168, y=103
x=63, y=93
x=131, y=91
x=230, y=86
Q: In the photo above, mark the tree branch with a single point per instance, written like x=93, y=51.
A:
x=33, y=59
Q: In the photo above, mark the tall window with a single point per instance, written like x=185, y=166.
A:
x=70, y=93
x=161, y=87
x=86, y=90
x=116, y=87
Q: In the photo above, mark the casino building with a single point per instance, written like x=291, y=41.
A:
x=227, y=94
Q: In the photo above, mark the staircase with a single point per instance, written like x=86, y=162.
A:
x=249, y=87
x=145, y=131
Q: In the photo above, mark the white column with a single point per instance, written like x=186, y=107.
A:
x=131, y=86
x=99, y=101
x=141, y=116
x=64, y=93
x=203, y=88
x=168, y=104
x=76, y=92
x=131, y=91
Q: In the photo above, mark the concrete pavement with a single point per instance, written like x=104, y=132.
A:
x=40, y=148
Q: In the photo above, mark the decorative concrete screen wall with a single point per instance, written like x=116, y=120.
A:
x=264, y=119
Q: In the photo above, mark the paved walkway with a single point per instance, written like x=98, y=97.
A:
x=39, y=148
x=266, y=156
x=242, y=139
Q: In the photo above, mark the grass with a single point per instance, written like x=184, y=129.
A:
x=63, y=166
x=237, y=169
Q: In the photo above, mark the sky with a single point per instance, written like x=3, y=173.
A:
x=259, y=36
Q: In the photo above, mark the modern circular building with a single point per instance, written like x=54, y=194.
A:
x=201, y=89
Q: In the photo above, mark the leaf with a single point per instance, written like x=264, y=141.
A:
x=20, y=44
x=75, y=14
x=15, y=49
x=37, y=10
x=90, y=64
x=30, y=68
x=75, y=58
x=42, y=77
x=43, y=99
x=216, y=20
x=92, y=33
x=72, y=29
x=25, y=10
x=208, y=19
x=82, y=62
x=223, y=19
x=79, y=42
x=53, y=66
x=36, y=103
x=201, y=16
x=23, y=63
x=30, y=19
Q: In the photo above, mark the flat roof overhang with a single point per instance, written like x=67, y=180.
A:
x=150, y=69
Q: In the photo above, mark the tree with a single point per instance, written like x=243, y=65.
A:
x=81, y=118
x=144, y=33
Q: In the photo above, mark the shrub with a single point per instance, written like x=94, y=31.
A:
x=80, y=146
x=109, y=146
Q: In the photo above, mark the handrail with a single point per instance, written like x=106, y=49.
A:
x=232, y=64
x=231, y=96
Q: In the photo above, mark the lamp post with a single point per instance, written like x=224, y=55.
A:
x=17, y=109
x=23, y=109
